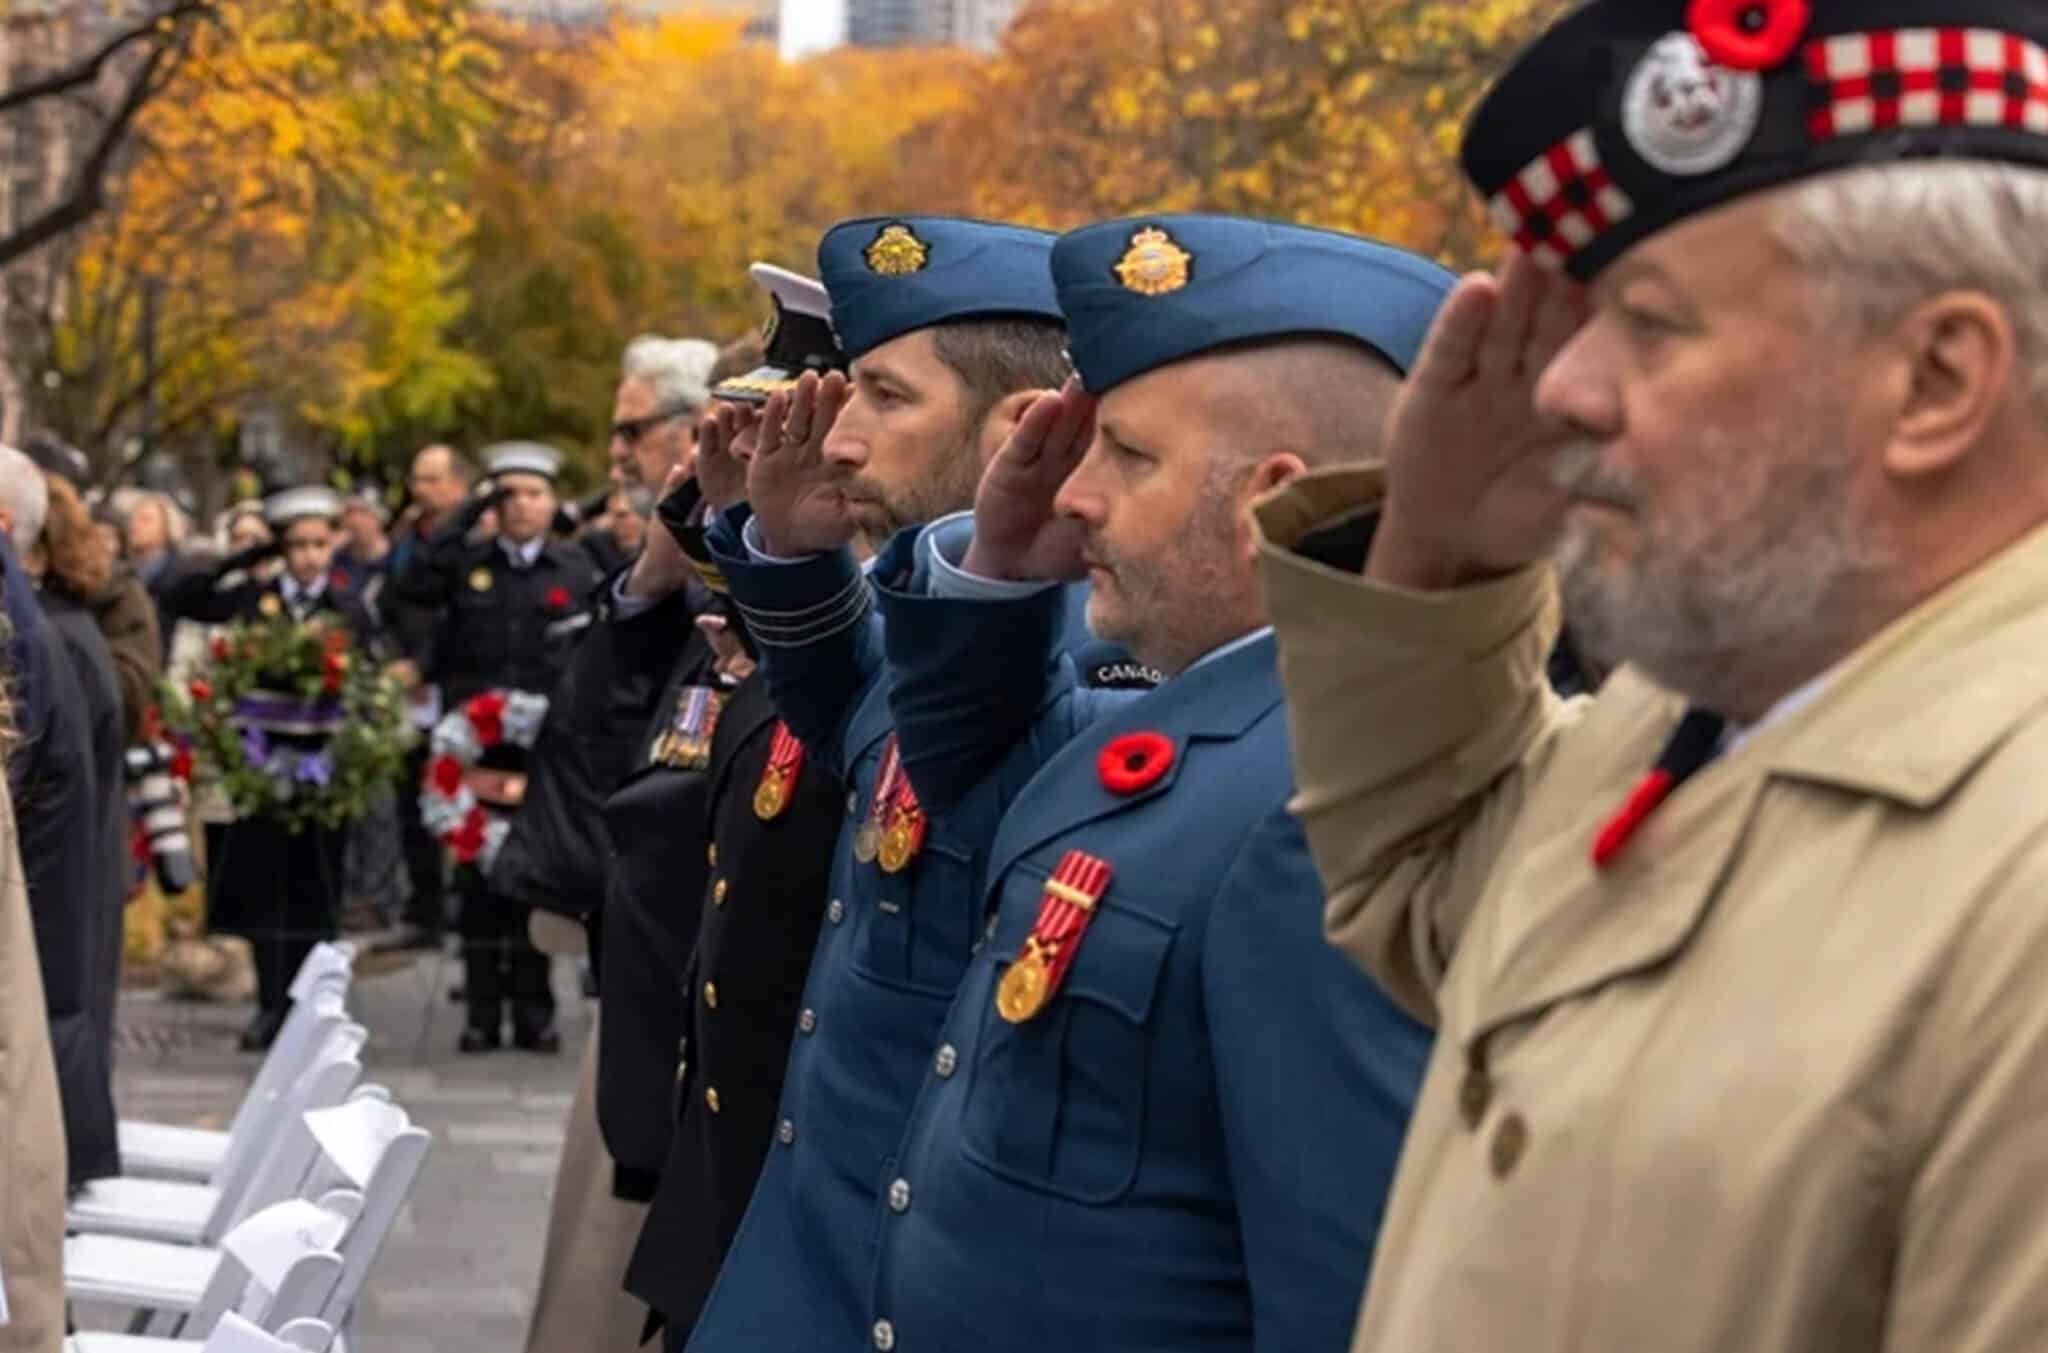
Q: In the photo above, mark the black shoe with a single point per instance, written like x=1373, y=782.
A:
x=409, y=939
x=537, y=1040
x=262, y=1031
x=481, y=1040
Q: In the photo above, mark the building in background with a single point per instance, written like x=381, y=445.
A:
x=894, y=23
x=761, y=15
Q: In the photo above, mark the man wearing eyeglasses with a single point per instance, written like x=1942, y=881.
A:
x=654, y=418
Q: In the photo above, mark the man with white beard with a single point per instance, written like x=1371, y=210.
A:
x=1737, y=968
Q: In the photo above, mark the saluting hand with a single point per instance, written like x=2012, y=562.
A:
x=723, y=449
x=662, y=566
x=798, y=496
x=1471, y=487
x=1017, y=532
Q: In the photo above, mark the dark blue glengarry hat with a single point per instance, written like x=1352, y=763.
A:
x=1629, y=116
x=889, y=275
x=1141, y=293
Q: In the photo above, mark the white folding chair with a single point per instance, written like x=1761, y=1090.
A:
x=291, y=1243
x=167, y=1151
x=200, y=1214
x=166, y=1283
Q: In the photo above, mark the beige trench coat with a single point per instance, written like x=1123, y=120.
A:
x=32, y=1165
x=1777, y=1081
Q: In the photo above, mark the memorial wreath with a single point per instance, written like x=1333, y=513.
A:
x=290, y=723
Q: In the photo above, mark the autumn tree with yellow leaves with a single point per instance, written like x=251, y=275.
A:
x=402, y=220
x=289, y=222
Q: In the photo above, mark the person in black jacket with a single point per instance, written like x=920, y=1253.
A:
x=280, y=888
x=512, y=607
x=770, y=818
x=68, y=765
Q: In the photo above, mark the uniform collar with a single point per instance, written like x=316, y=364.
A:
x=523, y=556
x=295, y=595
x=1915, y=710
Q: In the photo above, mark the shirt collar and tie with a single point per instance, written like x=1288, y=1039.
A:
x=522, y=557
x=298, y=598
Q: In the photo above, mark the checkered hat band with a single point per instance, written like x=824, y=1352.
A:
x=1562, y=201
x=1926, y=77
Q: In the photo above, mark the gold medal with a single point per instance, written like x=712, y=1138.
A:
x=770, y=796
x=480, y=580
x=867, y=842
x=898, y=845
x=270, y=606
x=1023, y=990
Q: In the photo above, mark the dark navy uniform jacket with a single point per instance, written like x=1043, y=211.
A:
x=889, y=956
x=1190, y=1146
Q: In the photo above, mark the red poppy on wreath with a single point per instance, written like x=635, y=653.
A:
x=335, y=667
x=220, y=649
x=334, y=641
x=557, y=598
x=467, y=840
x=152, y=724
x=445, y=774
x=1752, y=35
x=1134, y=762
x=201, y=690
x=487, y=715
x=181, y=764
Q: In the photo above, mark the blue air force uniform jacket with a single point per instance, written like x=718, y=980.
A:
x=1189, y=1147
x=889, y=957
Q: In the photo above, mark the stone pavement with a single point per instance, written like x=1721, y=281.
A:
x=459, y=1271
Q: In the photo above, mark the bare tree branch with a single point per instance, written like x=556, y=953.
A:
x=87, y=70
x=88, y=184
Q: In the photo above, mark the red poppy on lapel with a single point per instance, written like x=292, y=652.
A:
x=1134, y=762
x=557, y=598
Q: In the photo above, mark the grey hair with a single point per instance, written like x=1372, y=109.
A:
x=25, y=496
x=678, y=370
x=1886, y=237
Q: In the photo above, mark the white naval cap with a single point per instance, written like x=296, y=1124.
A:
x=523, y=458
x=799, y=294
x=313, y=500
x=799, y=336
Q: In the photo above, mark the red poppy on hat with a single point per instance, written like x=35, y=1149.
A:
x=1749, y=34
x=558, y=598
x=444, y=773
x=487, y=715
x=1134, y=762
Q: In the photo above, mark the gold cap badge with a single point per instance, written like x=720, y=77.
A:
x=480, y=580
x=1154, y=265
x=897, y=252
x=270, y=605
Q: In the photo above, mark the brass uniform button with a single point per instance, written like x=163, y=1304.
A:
x=836, y=912
x=807, y=1022
x=1510, y=1141
x=711, y=854
x=711, y=1098
x=718, y=893
x=711, y=994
